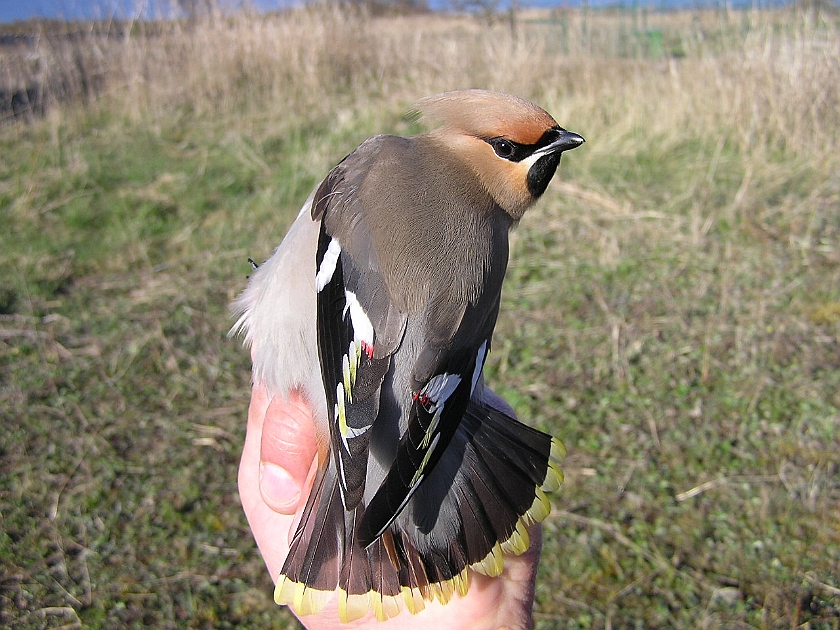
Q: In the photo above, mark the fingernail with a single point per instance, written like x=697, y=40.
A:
x=278, y=488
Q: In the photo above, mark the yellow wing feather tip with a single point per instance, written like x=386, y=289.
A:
x=493, y=563
x=541, y=507
x=413, y=599
x=378, y=608
x=391, y=606
x=519, y=541
x=281, y=595
x=443, y=591
x=553, y=478
x=304, y=600
x=462, y=582
x=352, y=607
x=385, y=606
x=315, y=600
x=558, y=450
x=554, y=474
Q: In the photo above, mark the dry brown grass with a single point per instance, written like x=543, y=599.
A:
x=763, y=79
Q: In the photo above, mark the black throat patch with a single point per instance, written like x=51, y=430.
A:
x=540, y=174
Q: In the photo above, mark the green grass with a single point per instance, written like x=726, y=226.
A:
x=697, y=388
x=671, y=312
x=122, y=397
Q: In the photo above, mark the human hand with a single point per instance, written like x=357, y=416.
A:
x=275, y=476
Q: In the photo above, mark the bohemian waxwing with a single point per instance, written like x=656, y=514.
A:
x=379, y=305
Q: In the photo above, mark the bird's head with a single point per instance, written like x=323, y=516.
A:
x=511, y=145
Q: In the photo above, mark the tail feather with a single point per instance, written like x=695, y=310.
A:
x=311, y=570
x=521, y=447
x=355, y=573
x=324, y=525
x=477, y=535
x=385, y=577
x=413, y=574
x=497, y=506
x=474, y=506
x=505, y=477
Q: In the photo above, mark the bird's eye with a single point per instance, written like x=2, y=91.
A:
x=503, y=148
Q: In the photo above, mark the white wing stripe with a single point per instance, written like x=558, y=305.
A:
x=362, y=328
x=328, y=265
x=479, y=365
x=441, y=387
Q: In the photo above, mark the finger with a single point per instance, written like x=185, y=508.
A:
x=272, y=530
x=249, y=465
x=287, y=450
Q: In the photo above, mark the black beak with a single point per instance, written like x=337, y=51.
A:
x=565, y=141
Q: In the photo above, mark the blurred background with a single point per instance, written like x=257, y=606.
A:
x=671, y=312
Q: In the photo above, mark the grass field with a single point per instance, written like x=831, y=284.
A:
x=671, y=312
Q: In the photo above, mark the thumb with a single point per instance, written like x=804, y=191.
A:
x=287, y=450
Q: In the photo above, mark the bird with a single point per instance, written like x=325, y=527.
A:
x=379, y=305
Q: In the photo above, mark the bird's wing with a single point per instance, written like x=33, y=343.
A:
x=371, y=321
x=445, y=373
x=358, y=326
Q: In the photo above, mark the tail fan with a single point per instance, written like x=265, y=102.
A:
x=474, y=507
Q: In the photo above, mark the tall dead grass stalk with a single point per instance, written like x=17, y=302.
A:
x=769, y=81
